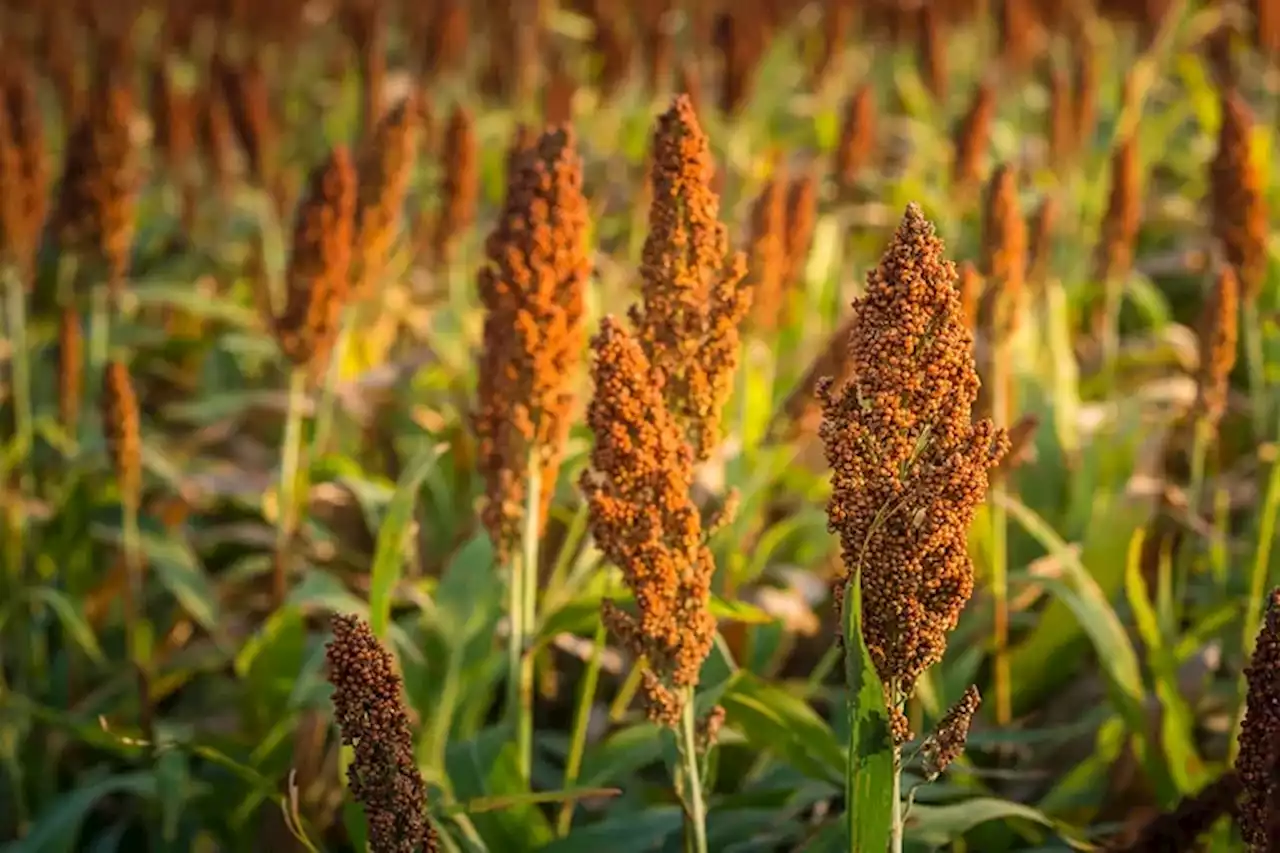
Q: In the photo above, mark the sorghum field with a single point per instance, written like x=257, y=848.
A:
x=639, y=425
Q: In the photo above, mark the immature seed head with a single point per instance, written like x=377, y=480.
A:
x=369, y=708
x=460, y=166
x=946, y=744
x=384, y=169
x=909, y=465
x=1004, y=250
x=1239, y=208
x=319, y=263
x=1124, y=213
x=533, y=290
x=802, y=215
x=692, y=289
x=857, y=143
x=1218, y=330
x=768, y=251
x=120, y=423
x=1258, y=761
x=645, y=522
x=23, y=162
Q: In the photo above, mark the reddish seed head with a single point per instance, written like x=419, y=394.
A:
x=857, y=143
x=909, y=465
x=459, y=163
x=120, y=423
x=1239, y=209
x=1218, y=332
x=384, y=170
x=1124, y=213
x=23, y=162
x=972, y=137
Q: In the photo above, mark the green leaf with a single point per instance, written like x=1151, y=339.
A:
x=68, y=615
x=393, y=537
x=940, y=825
x=738, y=611
x=772, y=719
x=176, y=565
x=59, y=823
x=486, y=766
x=869, y=780
x=630, y=833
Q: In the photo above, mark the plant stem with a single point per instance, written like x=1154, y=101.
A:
x=16, y=552
x=581, y=721
x=326, y=406
x=1255, y=362
x=99, y=339
x=137, y=631
x=290, y=465
x=529, y=604
x=695, y=809
x=896, y=827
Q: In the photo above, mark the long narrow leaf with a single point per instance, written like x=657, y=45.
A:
x=869, y=781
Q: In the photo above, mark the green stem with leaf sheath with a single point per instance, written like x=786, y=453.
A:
x=287, y=512
x=581, y=721
x=522, y=610
x=695, y=809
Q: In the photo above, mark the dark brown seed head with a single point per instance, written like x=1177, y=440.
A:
x=459, y=162
x=23, y=162
x=247, y=96
x=946, y=744
x=1004, y=251
x=384, y=169
x=1124, y=213
x=120, y=423
x=317, y=284
x=1239, y=208
x=971, y=138
x=909, y=465
x=1218, y=330
x=645, y=522
x=1258, y=761
x=692, y=286
x=94, y=213
x=369, y=708
x=533, y=290
x=857, y=145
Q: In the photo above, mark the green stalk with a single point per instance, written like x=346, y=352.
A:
x=1114, y=289
x=1255, y=363
x=99, y=341
x=581, y=719
x=529, y=604
x=1258, y=576
x=137, y=630
x=290, y=465
x=326, y=407
x=896, y=827
x=695, y=809
x=19, y=455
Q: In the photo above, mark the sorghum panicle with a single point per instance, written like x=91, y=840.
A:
x=1218, y=332
x=931, y=47
x=645, y=522
x=692, y=286
x=971, y=138
x=368, y=706
x=1266, y=26
x=802, y=215
x=1179, y=830
x=440, y=35
x=1004, y=251
x=317, y=283
x=23, y=163
x=559, y=91
x=857, y=143
x=1258, y=761
x=121, y=426
x=768, y=251
x=247, y=96
x=969, y=287
x=459, y=163
x=384, y=169
x=909, y=464
x=94, y=213
x=655, y=34
x=70, y=367
x=1124, y=213
x=533, y=291
x=1238, y=205
x=946, y=744
x=1040, y=248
